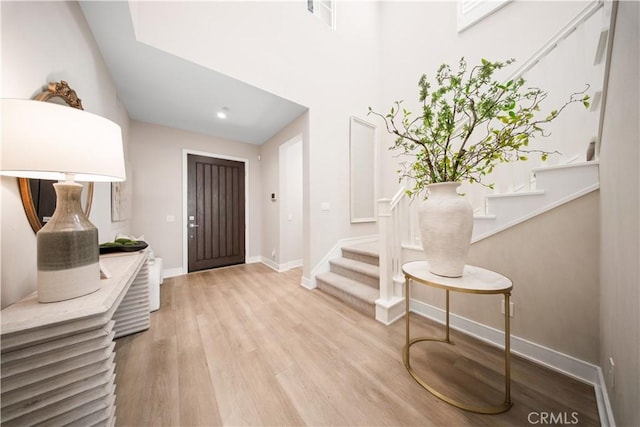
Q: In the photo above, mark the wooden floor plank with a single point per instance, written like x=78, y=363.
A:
x=313, y=403
x=272, y=403
x=246, y=345
x=197, y=397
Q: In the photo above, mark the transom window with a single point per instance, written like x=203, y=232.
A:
x=325, y=10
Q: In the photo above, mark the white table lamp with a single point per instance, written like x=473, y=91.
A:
x=43, y=140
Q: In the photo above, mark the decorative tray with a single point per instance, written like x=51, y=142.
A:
x=111, y=247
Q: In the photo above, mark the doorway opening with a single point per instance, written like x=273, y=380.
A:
x=291, y=191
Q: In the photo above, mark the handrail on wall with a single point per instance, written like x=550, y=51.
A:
x=392, y=216
x=564, y=32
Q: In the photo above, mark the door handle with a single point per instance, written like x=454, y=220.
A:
x=193, y=225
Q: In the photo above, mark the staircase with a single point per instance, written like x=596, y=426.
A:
x=552, y=186
x=354, y=278
x=361, y=278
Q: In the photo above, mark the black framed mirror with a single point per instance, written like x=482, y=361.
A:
x=38, y=195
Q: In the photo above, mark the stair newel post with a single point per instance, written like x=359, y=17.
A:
x=385, y=230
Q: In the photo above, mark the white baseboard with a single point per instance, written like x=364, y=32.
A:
x=280, y=267
x=541, y=355
x=270, y=263
x=172, y=272
x=604, y=405
x=547, y=206
x=568, y=365
x=253, y=259
x=308, y=283
x=388, y=311
x=292, y=264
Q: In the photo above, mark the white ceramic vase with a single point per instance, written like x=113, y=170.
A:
x=446, y=224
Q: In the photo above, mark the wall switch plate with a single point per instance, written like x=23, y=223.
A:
x=171, y=218
x=510, y=308
x=325, y=206
x=612, y=373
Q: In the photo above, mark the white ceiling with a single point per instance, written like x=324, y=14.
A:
x=161, y=88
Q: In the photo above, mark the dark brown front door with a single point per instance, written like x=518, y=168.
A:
x=216, y=216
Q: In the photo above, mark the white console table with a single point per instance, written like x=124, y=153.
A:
x=57, y=359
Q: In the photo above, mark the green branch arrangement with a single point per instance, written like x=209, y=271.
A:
x=469, y=123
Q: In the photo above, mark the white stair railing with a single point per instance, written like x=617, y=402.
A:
x=397, y=217
x=576, y=47
x=394, y=230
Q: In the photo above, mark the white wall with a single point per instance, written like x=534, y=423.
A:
x=412, y=48
x=552, y=260
x=272, y=169
x=282, y=48
x=157, y=160
x=620, y=218
x=504, y=35
x=44, y=42
x=291, y=175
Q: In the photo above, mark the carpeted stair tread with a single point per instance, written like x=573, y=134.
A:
x=354, y=278
x=361, y=267
x=357, y=295
x=367, y=253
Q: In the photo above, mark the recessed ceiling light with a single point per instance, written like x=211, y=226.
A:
x=222, y=114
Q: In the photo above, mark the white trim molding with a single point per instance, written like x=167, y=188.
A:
x=280, y=268
x=591, y=8
x=604, y=404
x=471, y=12
x=388, y=311
x=172, y=272
x=308, y=283
x=270, y=263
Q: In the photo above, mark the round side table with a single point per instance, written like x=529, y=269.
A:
x=474, y=280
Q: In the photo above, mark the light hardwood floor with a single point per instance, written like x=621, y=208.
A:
x=245, y=345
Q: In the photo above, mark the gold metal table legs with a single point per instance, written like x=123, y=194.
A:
x=504, y=406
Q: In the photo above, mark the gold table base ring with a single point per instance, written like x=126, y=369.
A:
x=505, y=406
x=474, y=280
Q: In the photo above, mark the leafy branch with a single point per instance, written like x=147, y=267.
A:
x=469, y=123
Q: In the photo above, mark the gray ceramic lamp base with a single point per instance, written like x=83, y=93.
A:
x=68, y=254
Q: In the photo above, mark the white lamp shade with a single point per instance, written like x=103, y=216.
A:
x=44, y=140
